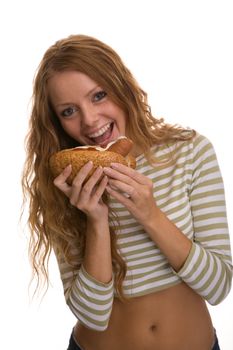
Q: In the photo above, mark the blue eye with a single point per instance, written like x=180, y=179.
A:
x=99, y=95
x=68, y=111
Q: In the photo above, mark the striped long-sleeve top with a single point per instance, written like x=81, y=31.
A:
x=189, y=190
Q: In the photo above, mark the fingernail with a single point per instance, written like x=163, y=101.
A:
x=68, y=167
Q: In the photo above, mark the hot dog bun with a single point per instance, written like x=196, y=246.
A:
x=115, y=152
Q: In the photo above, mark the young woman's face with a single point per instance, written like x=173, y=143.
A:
x=84, y=109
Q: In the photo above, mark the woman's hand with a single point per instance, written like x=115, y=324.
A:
x=85, y=195
x=133, y=190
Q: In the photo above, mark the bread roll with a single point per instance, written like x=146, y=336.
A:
x=115, y=152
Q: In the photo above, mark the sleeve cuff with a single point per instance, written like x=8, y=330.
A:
x=188, y=264
x=86, y=276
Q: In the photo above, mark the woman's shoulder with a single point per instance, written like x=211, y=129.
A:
x=201, y=144
x=191, y=146
x=192, y=140
x=188, y=143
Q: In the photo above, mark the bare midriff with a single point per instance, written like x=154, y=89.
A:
x=172, y=319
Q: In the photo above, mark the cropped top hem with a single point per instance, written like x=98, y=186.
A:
x=152, y=290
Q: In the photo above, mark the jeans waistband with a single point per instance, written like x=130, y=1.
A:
x=73, y=344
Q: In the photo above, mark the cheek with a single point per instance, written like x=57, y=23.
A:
x=122, y=121
x=71, y=128
x=119, y=115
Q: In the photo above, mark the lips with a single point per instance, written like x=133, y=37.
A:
x=103, y=135
x=100, y=132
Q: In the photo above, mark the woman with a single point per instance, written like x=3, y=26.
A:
x=139, y=251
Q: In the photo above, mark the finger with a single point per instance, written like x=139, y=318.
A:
x=114, y=174
x=124, y=199
x=100, y=189
x=78, y=182
x=123, y=187
x=132, y=173
x=60, y=180
x=92, y=182
x=82, y=174
x=83, y=192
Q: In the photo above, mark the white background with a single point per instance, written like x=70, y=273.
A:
x=180, y=51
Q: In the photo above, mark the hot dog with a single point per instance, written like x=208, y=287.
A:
x=117, y=151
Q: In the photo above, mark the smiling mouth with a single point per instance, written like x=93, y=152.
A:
x=103, y=135
x=100, y=132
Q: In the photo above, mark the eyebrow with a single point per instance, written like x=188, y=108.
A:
x=71, y=103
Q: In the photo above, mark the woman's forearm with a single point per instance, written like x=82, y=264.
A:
x=170, y=240
x=97, y=258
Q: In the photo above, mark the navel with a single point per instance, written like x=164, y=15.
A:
x=153, y=328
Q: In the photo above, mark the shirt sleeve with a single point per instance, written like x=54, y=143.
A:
x=88, y=299
x=208, y=268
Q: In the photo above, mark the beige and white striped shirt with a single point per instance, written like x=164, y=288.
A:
x=190, y=192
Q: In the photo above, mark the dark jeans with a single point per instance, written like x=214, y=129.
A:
x=74, y=346
x=216, y=345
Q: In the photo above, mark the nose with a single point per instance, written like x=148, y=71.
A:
x=89, y=116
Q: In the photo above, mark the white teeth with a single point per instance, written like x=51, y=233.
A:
x=100, y=132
